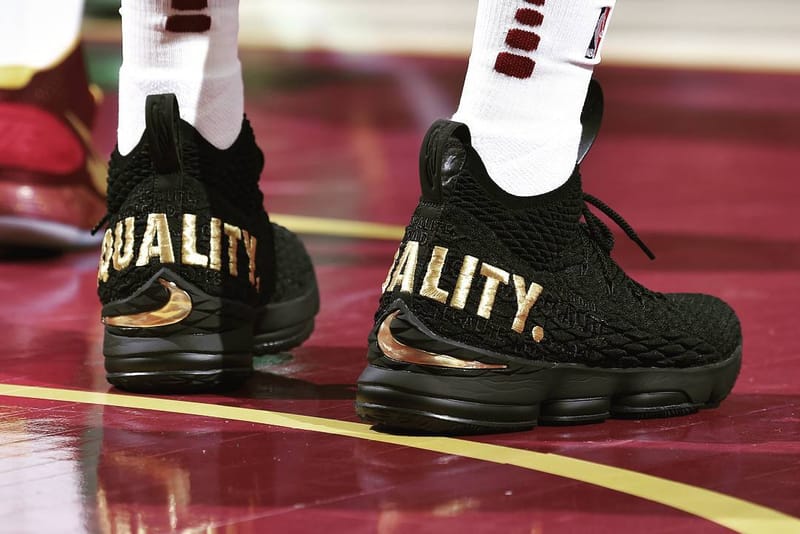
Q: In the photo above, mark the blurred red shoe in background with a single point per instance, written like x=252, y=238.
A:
x=52, y=182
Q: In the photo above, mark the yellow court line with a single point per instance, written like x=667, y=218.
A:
x=724, y=510
x=338, y=227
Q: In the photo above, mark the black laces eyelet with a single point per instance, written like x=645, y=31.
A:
x=601, y=233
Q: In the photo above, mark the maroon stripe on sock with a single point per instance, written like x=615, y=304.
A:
x=188, y=23
x=536, y=2
x=529, y=17
x=514, y=65
x=522, y=40
x=189, y=5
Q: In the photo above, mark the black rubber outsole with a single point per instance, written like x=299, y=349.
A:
x=394, y=419
x=211, y=350
x=194, y=373
x=181, y=381
x=179, y=372
x=404, y=401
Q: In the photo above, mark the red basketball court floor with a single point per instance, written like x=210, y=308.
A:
x=702, y=164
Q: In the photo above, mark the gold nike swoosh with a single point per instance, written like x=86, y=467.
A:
x=394, y=350
x=177, y=308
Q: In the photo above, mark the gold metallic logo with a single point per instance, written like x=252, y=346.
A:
x=119, y=248
x=177, y=308
x=399, y=352
x=407, y=261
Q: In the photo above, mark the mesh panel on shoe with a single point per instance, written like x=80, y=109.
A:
x=294, y=271
x=216, y=183
x=591, y=312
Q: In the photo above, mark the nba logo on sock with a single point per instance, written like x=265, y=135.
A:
x=599, y=33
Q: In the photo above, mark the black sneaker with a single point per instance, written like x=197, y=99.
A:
x=502, y=312
x=193, y=276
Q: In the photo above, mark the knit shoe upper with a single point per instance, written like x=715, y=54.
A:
x=501, y=311
x=178, y=201
x=189, y=274
x=488, y=251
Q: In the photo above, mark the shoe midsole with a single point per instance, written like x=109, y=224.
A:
x=519, y=382
x=700, y=385
x=216, y=335
x=165, y=363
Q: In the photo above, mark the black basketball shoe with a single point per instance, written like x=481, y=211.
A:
x=193, y=276
x=502, y=312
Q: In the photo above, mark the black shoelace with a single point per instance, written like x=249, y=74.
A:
x=101, y=224
x=601, y=233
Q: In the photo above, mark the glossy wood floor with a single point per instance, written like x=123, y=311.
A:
x=703, y=165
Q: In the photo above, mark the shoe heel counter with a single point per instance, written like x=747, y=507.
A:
x=170, y=335
x=167, y=302
x=401, y=339
x=221, y=257
x=166, y=219
x=442, y=158
x=407, y=271
x=455, y=277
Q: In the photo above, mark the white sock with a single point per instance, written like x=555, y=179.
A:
x=185, y=47
x=38, y=33
x=526, y=83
